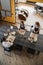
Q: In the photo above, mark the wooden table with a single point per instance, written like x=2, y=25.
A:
x=23, y=40
x=38, y=7
x=39, y=4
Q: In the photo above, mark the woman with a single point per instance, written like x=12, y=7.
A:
x=7, y=45
x=22, y=26
x=34, y=34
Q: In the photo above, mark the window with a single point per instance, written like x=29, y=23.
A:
x=5, y=4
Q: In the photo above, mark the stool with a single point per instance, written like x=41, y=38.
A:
x=18, y=47
x=31, y=51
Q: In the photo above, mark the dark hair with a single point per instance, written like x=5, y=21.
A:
x=22, y=22
x=38, y=24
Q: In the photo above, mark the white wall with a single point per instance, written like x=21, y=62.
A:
x=21, y=0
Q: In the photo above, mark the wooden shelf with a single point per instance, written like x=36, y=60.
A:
x=35, y=0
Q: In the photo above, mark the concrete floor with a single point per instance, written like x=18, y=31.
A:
x=32, y=18
x=22, y=59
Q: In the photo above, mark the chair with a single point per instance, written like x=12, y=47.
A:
x=31, y=51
